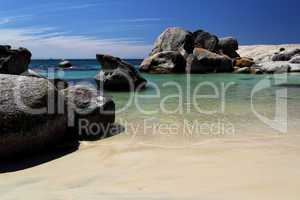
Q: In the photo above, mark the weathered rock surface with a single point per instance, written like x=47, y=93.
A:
x=118, y=75
x=286, y=55
x=65, y=64
x=164, y=63
x=205, y=40
x=295, y=60
x=275, y=67
x=14, y=61
x=243, y=62
x=204, y=61
x=229, y=46
x=88, y=108
x=172, y=39
x=30, y=118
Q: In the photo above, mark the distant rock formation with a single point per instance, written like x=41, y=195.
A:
x=118, y=75
x=65, y=64
x=202, y=52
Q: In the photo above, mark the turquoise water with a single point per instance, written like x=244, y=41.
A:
x=228, y=104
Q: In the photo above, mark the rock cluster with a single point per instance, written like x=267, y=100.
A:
x=180, y=51
x=35, y=115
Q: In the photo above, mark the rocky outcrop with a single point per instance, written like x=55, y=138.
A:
x=172, y=39
x=89, y=108
x=229, y=46
x=30, y=117
x=164, y=63
x=205, y=40
x=204, y=61
x=286, y=55
x=14, y=61
x=118, y=75
x=65, y=64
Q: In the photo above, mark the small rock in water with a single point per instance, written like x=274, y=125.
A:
x=65, y=64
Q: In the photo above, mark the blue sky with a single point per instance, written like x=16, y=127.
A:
x=128, y=28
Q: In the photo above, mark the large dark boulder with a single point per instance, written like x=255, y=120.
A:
x=286, y=55
x=172, y=39
x=204, y=61
x=14, y=61
x=205, y=40
x=118, y=75
x=91, y=114
x=164, y=63
x=32, y=116
x=229, y=46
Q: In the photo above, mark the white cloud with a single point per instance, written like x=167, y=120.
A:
x=46, y=43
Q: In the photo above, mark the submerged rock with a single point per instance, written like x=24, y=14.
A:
x=14, y=61
x=118, y=75
x=164, y=63
x=172, y=39
x=229, y=46
x=205, y=40
x=88, y=108
x=204, y=61
x=65, y=64
x=31, y=118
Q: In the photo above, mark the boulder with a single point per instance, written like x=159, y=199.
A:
x=58, y=83
x=14, y=61
x=229, y=46
x=205, y=40
x=275, y=67
x=243, y=62
x=204, y=61
x=88, y=108
x=286, y=55
x=65, y=64
x=172, y=39
x=118, y=75
x=295, y=60
x=31, y=119
x=164, y=63
x=294, y=67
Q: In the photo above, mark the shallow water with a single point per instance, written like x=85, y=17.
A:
x=168, y=106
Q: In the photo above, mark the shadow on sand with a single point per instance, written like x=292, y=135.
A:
x=29, y=161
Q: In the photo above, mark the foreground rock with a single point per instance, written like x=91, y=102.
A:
x=243, y=62
x=65, y=64
x=164, y=63
x=172, y=39
x=29, y=117
x=89, y=109
x=229, y=46
x=205, y=40
x=118, y=75
x=14, y=61
x=204, y=61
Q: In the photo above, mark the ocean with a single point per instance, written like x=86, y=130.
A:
x=197, y=106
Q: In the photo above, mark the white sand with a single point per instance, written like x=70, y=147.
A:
x=260, y=168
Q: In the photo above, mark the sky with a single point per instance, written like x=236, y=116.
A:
x=128, y=28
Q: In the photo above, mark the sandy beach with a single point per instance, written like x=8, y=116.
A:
x=248, y=167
